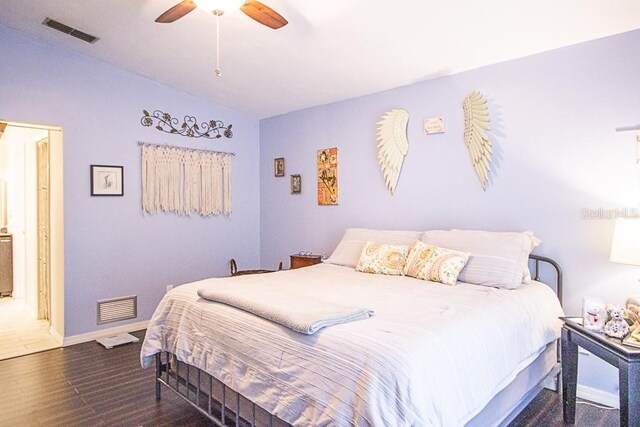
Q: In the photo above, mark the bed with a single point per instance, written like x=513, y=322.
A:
x=431, y=354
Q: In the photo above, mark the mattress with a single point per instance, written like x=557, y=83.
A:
x=432, y=355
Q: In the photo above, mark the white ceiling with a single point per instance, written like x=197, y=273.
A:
x=331, y=50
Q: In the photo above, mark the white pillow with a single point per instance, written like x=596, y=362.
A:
x=349, y=249
x=498, y=259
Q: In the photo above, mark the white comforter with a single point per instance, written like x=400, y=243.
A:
x=432, y=355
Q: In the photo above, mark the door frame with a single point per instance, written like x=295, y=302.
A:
x=56, y=225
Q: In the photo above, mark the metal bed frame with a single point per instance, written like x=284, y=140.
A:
x=225, y=407
x=197, y=387
x=537, y=259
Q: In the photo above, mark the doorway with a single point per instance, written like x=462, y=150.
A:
x=30, y=319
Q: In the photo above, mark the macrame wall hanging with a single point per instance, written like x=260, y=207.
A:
x=185, y=181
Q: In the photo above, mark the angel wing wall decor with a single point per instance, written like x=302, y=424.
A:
x=392, y=145
x=476, y=122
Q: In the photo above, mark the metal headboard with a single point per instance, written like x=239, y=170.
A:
x=537, y=259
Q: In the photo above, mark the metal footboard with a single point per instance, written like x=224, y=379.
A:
x=212, y=398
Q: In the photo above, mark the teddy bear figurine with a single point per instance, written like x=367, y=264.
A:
x=616, y=327
x=594, y=314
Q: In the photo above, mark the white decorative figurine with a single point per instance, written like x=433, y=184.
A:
x=593, y=314
x=616, y=327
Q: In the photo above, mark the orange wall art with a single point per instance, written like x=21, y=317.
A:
x=328, y=176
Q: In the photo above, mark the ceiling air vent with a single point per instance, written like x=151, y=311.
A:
x=70, y=30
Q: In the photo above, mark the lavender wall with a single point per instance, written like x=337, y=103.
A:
x=556, y=153
x=111, y=249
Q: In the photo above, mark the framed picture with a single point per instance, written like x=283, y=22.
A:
x=296, y=184
x=327, y=160
x=107, y=180
x=278, y=166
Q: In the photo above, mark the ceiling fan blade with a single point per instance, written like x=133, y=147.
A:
x=264, y=14
x=176, y=12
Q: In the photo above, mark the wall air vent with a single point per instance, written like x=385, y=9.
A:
x=70, y=30
x=116, y=309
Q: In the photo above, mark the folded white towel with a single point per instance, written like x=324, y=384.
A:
x=295, y=310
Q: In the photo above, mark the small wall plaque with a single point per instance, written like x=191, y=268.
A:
x=434, y=125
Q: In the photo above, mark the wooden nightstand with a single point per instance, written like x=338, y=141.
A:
x=611, y=350
x=299, y=261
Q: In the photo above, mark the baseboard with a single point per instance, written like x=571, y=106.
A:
x=90, y=336
x=57, y=335
x=591, y=394
x=598, y=396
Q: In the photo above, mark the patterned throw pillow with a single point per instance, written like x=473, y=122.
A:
x=436, y=264
x=380, y=258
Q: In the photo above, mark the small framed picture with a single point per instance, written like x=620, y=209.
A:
x=278, y=166
x=107, y=180
x=296, y=184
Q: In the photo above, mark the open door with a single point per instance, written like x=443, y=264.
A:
x=43, y=219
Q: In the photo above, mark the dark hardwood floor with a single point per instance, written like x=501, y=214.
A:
x=546, y=410
x=87, y=385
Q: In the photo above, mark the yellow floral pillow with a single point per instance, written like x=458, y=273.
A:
x=436, y=264
x=380, y=258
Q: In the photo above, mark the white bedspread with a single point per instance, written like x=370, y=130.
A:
x=432, y=355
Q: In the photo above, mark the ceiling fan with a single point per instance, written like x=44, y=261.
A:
x=252, y=8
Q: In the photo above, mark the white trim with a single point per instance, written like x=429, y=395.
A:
x=32, y=125
x=90, y=336
x=56, y=335
x=591, y=394
x=598, y=396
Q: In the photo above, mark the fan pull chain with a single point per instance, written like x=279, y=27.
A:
x=218, y=71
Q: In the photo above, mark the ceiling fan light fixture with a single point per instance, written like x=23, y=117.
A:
x=225, y=6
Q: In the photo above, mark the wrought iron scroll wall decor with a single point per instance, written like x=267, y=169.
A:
x=212, y=129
